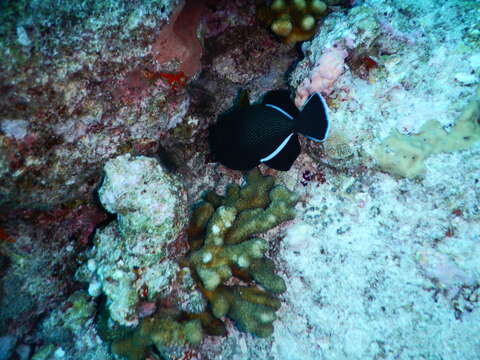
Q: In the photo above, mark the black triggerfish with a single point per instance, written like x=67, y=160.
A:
x=266, y=133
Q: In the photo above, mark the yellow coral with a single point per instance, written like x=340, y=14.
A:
x=292, y=20
x=404, y=155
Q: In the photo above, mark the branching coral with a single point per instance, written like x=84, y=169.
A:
x=162, y=330
x=226, y=224
x=251, y=308
x=293, y=20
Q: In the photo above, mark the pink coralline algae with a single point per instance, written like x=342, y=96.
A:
x=178, y=39
x=322, y=77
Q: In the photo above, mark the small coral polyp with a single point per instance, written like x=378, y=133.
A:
x=293, y=20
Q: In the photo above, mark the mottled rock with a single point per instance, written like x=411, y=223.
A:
x=131, y=261
x=67, y=102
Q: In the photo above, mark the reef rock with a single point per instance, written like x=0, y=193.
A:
x=81, y=83
x=130, y=261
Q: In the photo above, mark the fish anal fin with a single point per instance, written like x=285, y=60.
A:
x=284, y=160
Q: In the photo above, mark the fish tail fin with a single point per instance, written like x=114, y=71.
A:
x=312, y=121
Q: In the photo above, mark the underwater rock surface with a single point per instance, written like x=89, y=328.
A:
x=129, y=262
x=381, y=261
x=388, y=266
x=74, y=94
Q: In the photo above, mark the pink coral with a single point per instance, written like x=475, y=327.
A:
x=322, y=77
x=178, y=39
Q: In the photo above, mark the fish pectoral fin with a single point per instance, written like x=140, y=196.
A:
x=284, y=159
x=313, y=121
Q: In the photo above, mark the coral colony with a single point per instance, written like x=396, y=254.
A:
x=128, y=257
x=148, y=212
x=292, y=20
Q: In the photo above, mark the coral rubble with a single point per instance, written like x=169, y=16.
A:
x=387, y=250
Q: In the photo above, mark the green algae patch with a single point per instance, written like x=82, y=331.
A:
x=46, y=352
x=404, y=155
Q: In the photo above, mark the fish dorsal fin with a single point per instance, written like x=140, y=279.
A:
x=243, y=99
x=313, y=121
x=281, y=99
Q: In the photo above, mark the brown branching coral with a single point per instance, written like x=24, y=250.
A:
x=161, y=330
x=220, y=236
x=251, y=308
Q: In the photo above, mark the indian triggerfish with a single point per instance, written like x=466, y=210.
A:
x=267, y=132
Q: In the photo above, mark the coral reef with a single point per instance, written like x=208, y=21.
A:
x=63, y=322
x=39, y=250
x=389, y=260
x=129, y=262
x=226, y=224
x=222, y=249
x=70, y=330
x=79, y=86
x=292, y=20
x=375, y=262
x=96, y=80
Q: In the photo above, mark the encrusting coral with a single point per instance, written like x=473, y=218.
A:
x=322, y=77
x=226, y=224
x=178, y=41
x=293, y=20
x=404, y=155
